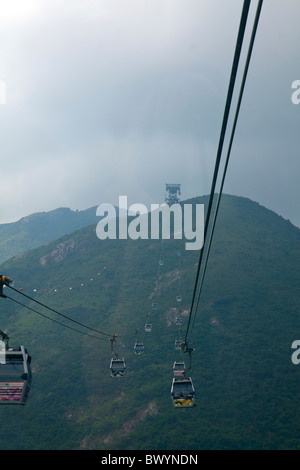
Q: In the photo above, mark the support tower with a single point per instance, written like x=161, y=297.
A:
x=172, y=193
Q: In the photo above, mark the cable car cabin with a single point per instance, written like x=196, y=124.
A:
x=178, y=321
x=179, y=368
x=148, y=327
x=154, y=305
x=178, y=298
x=161, y=263
x=183, y=392
x=178, y=343
x=117, y=367
x=15, y=376
x=139, y=348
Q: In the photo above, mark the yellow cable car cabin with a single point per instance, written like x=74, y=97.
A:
x=139, y=348
x=117, y=367
x=178, y=344
x=183, y=392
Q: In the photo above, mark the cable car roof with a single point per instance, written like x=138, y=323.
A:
x=182, y=386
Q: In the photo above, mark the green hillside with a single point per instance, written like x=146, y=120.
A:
x=247, y=388
x=40, y=228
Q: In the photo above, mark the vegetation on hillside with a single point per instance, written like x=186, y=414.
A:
x=246, y=385
x=40, y=228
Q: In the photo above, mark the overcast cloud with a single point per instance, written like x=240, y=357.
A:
x=118, y=97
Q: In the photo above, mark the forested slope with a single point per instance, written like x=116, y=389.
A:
x=246, y=385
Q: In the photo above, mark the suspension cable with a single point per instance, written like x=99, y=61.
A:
x=52, y=319
x=256, y=20
x=238, y=47
x=58, y=313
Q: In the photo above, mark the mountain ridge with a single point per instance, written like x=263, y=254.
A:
x=39, y=228
x=246, y=385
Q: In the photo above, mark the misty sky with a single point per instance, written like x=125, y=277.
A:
x=101, y=98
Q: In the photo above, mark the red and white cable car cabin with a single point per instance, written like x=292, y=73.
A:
x=15, y=376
